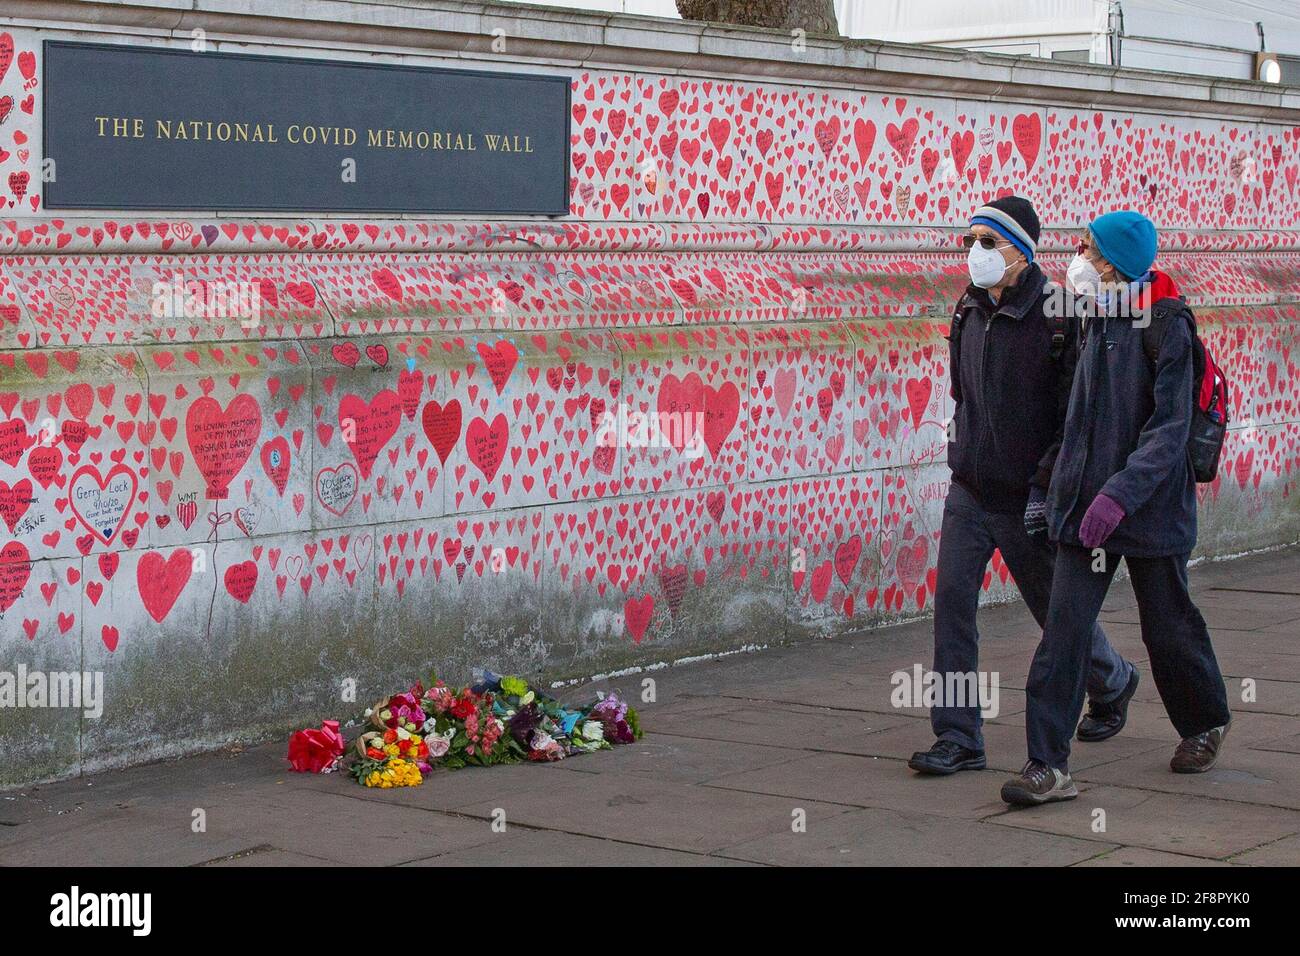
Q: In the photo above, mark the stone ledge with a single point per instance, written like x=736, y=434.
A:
x=554, y=34
x=90, y=235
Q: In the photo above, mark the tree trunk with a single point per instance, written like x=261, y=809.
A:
x=811, y=16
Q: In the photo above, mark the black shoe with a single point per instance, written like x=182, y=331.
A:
x=1103, y=721
x=946, y=757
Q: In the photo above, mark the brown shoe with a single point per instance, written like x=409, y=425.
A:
x=1199, y=753
x=1038, y=783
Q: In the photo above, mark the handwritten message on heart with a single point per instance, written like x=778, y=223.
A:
x=221, y=440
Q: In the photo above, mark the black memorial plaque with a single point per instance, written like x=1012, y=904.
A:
x=131, y=127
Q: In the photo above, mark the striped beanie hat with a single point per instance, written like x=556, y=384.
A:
x=1014, y=219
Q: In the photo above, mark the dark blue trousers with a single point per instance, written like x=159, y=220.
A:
x=970, y=534
x=1173, y=630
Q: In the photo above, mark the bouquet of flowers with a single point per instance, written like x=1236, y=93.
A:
x=393, y=752
x=464, y=719
x=495, y=720
x=541, y=728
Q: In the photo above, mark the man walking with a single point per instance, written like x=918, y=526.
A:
x=1124, y=483
x=1011, y=367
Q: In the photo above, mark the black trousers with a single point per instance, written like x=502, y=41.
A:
x=969, y=535
x=1182, y=659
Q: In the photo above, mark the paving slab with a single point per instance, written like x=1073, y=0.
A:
x=346, y=828
x=522, y=847
x=1004, y=745
x=873, y=782
x=1137, y=856
x=1147, y=718
x=1270, y=696
x=271, y=857
x=1287, y=745
x=805, y=728
x=1284, y=852
x=1243, y=648
x=880, y=837
x=834, y=692
x=129, y=836
x=1272, y=581
x=1193, y=826
x=1248, y=598
x=1217, y=617
x=1242, y=775
x=199, y=780
x=447, y=790
x=1280, y=697
x=640, y=809
x=681, y=759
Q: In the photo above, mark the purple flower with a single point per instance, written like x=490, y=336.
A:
x=612, y=713
x=524, y=722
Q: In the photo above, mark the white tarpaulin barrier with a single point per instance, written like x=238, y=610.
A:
x=1216, y=37
x=946, y=21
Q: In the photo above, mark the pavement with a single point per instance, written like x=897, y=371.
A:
x=788, y=756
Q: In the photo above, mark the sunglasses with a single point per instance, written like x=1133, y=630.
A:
x=988, y=242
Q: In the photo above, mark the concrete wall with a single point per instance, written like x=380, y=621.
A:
x=769, y=239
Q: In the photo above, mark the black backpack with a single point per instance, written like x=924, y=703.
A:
x=1209, y=388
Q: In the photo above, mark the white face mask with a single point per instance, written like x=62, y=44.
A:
x=986, y=266
x=1082, y=277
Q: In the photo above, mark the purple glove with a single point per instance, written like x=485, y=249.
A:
x=1100, y=521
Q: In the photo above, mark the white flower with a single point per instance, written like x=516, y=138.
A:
x=593, y=730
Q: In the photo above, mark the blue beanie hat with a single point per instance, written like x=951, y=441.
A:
x=1127, y=240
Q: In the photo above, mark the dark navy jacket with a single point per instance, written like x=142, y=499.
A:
x=1011, y=392
x=1126, y=436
